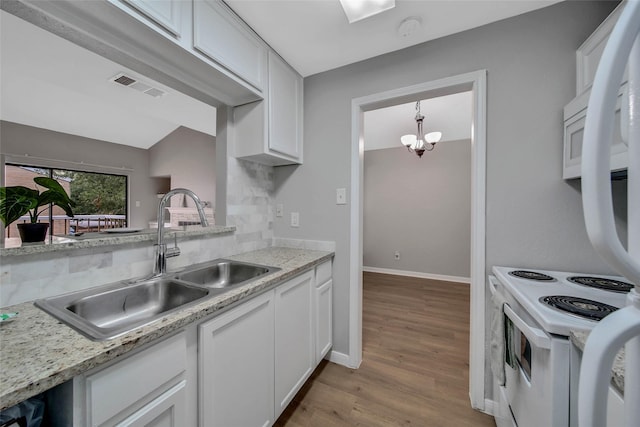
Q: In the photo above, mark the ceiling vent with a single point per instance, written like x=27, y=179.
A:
x=138, y=85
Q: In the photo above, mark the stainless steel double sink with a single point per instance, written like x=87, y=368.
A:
x=108, y=311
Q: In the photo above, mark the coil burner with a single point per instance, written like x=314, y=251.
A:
x=532, y=275
x=581, y=307
x=602, y=283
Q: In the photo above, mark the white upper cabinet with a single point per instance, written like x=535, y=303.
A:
x=270, y=131
x=167, y=14
x=219, y=34
x=589, y=53
x=285, y=108
x=575, y=112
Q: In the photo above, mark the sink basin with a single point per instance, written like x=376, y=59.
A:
x=108, y=311
x=223, y=274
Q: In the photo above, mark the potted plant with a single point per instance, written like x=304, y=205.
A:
x=17, y=201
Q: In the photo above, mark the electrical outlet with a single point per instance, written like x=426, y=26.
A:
x=341, y=196
x=279, y=210
x=397, y=255
x=295, y=219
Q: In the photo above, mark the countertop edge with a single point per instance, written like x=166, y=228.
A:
x=93, y=240
x=292, y=263
x=617, y=371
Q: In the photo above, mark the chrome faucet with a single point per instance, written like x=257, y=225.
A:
x=162, y=253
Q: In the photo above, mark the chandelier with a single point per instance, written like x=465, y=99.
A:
x=419, y=143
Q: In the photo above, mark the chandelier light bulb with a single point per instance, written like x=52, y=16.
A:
x=433, y=137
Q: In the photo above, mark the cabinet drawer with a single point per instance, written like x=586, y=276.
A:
x=119, y=386
x=323, y=273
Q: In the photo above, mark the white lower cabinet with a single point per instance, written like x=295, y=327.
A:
x=146, y=389
x=323, y=311
x=294, y=343
x=168, y=410
x=239, y=368
x=236, y=366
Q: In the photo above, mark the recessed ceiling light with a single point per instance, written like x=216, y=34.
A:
x=360, y=9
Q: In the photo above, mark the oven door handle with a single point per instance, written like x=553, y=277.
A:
x=537, y=336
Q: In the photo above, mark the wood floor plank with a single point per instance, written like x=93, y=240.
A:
x=415, y=368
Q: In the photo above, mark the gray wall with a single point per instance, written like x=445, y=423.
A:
x=20, y=139
x=534, y=218
x=420, y=207
x=189, y=158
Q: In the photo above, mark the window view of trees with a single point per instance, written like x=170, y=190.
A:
x=101, y=199
x=96, y=193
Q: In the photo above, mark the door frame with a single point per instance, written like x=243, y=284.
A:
x=476, y=82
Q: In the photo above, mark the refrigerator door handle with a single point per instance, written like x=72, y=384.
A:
x=597, y=361
x=596, y=179
x=623, y=326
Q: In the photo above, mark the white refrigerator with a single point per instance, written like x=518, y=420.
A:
x=621, y=328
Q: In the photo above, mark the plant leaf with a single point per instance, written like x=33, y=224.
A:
x=53, y=186
x=57, y=199
x=15, y=202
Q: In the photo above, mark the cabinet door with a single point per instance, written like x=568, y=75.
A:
x=168, y=410
x=285, y=108
x=323, y=319
x=574, y=133
x=219, y=34
x=294, y=344
x=165, y=13
x=236, y=366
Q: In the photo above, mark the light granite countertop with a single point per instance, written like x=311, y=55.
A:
x=617, y=372
x=37, y=352
x=92, y=240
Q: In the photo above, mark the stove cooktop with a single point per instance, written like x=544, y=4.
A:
x=528, y=294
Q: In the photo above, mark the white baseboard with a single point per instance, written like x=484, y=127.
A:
x=418, y=274
x=340, y=359
x=489, y=406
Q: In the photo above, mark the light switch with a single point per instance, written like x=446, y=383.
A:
x=295, y=219
x=137, y=203
x=279, y=210
x=341, y=196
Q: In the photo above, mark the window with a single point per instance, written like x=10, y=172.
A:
x=101, y=199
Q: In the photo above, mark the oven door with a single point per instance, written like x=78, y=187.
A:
x=536, y=372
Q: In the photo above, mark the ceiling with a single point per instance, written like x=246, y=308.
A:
x=315, y=36
x=51, y=83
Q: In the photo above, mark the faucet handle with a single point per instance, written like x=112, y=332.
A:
x=175, y=250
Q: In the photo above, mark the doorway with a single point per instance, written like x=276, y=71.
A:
x=476, y=83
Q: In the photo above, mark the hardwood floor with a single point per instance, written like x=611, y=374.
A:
x=415, y=368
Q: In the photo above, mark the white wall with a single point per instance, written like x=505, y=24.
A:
x=189, y=158
x=534, y=218
x=420, y=207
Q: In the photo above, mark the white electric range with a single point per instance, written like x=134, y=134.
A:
x=537, y=325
